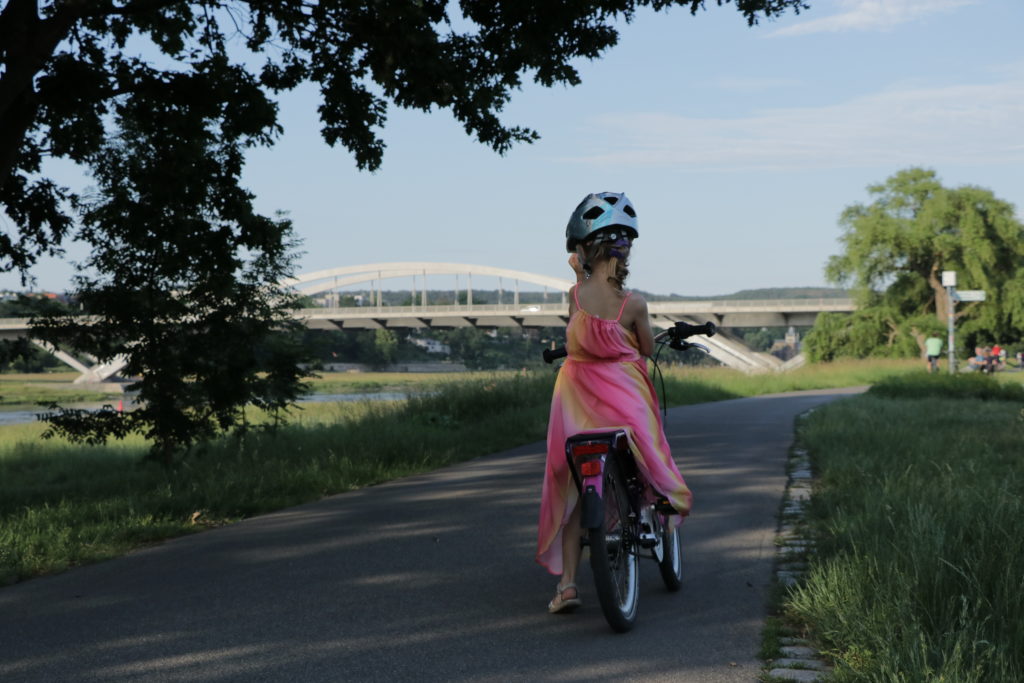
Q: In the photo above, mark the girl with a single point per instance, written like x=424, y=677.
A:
x=603, y=384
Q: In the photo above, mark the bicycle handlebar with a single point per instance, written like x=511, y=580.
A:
x=551, y=355
x=676, y=334
x=683, y=330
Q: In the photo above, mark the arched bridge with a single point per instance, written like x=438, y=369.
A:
x=511, y=313
x=375, y=273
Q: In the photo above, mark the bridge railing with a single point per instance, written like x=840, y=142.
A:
x=707, y=306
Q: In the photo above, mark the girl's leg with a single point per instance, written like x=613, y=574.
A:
x=567, y=594
x=571, y=550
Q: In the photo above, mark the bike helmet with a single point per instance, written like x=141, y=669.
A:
x=605, y=216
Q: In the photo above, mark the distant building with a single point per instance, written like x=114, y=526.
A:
x=788, y=347
x=431, y=345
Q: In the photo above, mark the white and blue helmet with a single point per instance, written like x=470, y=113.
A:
x=604, y=216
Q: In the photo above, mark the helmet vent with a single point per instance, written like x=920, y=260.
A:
x=628, y=210
x=612, y=200
x=593, y=213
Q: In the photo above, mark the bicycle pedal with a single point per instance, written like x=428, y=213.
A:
x=664, y=507
x=648, y=540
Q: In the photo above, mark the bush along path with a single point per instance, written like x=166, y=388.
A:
x=789, y=657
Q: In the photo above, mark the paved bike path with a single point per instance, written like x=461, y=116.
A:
x=427, y=578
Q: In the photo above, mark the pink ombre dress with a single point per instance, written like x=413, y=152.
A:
x=603, y=385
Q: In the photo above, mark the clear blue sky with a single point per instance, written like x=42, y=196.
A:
x=739, y=147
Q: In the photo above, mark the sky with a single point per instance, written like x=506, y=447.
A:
x=739, y=147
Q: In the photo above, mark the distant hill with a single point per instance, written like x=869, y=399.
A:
x=765, y=293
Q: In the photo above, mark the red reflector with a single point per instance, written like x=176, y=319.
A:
x=590, y=468
x=589, y=448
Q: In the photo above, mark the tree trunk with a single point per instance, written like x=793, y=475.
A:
x=941, y=296
x=919, y=337
x=28, y=42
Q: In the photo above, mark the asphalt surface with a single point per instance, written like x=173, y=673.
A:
x=429, y=578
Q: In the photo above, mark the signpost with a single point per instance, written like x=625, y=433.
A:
x=949, y=282
x=970, y=295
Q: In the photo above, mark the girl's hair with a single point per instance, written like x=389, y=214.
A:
x=597, y=252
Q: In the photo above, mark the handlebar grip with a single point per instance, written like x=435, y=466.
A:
x=684, y=330
x=550, y=355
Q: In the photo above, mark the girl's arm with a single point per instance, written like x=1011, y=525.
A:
x=637, y=309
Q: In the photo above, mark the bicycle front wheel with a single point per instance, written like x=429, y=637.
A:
x=671, y=563
x=613, y=554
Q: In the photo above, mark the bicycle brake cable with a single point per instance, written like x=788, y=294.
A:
x=659, y=374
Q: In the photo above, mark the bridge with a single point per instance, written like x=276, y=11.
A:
x=375, y=314
x=509, y=311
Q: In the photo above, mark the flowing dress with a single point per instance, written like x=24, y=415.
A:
x=602, y=386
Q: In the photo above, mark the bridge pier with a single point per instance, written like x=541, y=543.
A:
x=96, y=373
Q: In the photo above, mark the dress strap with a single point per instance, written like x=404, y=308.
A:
x=623, y=307
x=576, y=296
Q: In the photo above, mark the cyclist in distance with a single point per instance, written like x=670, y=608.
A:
x=603, y=384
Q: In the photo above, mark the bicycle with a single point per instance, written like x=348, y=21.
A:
x=623, y=516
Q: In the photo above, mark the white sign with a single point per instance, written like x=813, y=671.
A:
x=949, y=278
x=970, y=294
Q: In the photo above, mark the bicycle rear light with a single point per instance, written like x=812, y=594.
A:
x=590, y=468
x=590, y=448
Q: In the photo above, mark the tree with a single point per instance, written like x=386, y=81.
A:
x=67, y=65
x=894, y=251
x=385, y=347
x=181, y=281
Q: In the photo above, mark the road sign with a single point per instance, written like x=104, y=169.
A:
x=970, y=294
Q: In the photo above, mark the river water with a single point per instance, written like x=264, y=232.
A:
x=24, y=415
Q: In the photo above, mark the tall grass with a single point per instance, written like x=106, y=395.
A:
x=919, y=517
x=62, y=504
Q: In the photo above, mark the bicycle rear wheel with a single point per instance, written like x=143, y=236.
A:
x=613, y=554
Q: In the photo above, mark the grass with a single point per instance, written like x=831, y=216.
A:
x=918, y=517
x=31, y=389
x=63, y=505
x=369, y=382
x=815, y=376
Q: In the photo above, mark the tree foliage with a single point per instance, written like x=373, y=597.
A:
x=181, y=281
x=68, y=66
x=894, y=251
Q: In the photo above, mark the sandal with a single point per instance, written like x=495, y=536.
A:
x=559, y=602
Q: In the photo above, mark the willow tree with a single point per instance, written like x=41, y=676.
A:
x=895, y=249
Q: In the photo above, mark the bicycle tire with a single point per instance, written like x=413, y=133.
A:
x=671, y=563
x=613, y=554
